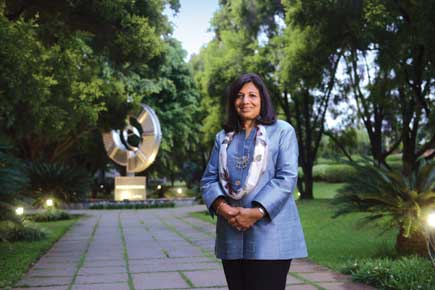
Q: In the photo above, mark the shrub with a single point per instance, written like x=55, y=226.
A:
x=50, y=215
x=12, y=181
x=331, y=172
x=401, y=201
x=131, y=205
x=404, y=273
x=12, y=231
x=58, y=181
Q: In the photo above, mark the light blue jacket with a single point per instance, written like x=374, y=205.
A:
x=277, y=236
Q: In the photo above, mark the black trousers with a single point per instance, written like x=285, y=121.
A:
x=256, y=274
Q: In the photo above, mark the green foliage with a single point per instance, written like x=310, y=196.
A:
x=12, y=231
x=334, y=172
x=60, y=182
x=49, y=215
x=17, y=257
x=12, y=181
x=70, y=68
x=401, y=274
x=326, y=190
x=132, y=205
x=174, y=97
x=386, y=194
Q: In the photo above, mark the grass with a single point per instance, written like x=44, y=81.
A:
x=125, y=253
x=324, y=190
x=17, y=257
x=333, y=242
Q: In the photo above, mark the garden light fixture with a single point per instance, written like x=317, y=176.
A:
x=297, y=195
x=19, y=211
x=431, y=220
x=179, y=191
x=49, y=202
x=159, y=187
x=430, y=236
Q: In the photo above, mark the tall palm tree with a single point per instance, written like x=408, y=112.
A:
x=387, y=195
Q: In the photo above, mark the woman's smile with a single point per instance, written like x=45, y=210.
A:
x=248, y=102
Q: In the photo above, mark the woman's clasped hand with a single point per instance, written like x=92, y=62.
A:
x=240, y=218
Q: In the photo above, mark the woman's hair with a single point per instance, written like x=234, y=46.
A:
x=267, y=112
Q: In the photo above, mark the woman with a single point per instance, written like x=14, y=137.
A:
x=248, y=184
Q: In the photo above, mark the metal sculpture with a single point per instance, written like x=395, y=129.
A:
x=137, y=145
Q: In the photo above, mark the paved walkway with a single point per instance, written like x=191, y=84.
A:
x=150, y=249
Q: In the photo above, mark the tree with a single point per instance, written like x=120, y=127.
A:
x=174, y=97
x=308, y=65
x=67, y=68
x=389, y=56
x=260, y=36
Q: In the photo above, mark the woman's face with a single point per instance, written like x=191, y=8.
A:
x=248, y=102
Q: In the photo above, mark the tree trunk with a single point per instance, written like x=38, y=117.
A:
x=308, y=182
x=414, y=244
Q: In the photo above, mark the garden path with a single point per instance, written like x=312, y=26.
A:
x=150, y=249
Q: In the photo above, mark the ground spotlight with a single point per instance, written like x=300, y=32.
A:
x=19, y=211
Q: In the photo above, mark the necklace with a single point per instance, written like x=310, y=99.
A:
x=256, y=168
x=243, y=161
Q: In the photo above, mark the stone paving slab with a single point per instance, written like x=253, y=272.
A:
x=51, y=272
x=45, y=281
x=325, y=277
x=157, y=249
x=173, y=267
x=112, y=278
x=113, y=286
x=44, y=288
x=344, y=286
x=291, y=280
x=207, y=278
x=301, y=287
x=102, y=270
x=163, y=280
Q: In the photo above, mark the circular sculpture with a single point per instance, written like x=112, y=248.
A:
x=137, y=145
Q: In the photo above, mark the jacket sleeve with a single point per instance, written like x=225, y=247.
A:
x=279, y=189
x=210, y=186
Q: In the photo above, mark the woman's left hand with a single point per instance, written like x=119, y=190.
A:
x=246, y=218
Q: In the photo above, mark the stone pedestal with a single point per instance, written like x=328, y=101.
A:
x=130, y=188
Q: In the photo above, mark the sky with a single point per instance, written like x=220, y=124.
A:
x=191, y=24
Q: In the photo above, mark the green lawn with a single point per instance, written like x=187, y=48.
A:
x=333, y=242
x=17, y=257
x=323, y=190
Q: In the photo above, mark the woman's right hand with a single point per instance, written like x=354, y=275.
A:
x=229, y=213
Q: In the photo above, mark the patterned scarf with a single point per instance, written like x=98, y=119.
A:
x=256, y=168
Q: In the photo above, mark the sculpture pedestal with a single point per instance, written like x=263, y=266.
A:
x=130, y=188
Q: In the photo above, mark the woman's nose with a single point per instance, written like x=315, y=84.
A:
x=244, y=99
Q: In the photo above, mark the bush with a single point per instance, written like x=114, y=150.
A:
x=404, y=273
x=57, y=181
x=11, y=231
x=12, y=181
x=50, y=215
x=333, y=172
x=131, y=205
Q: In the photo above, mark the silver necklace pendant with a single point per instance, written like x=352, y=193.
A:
x=242, y=162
